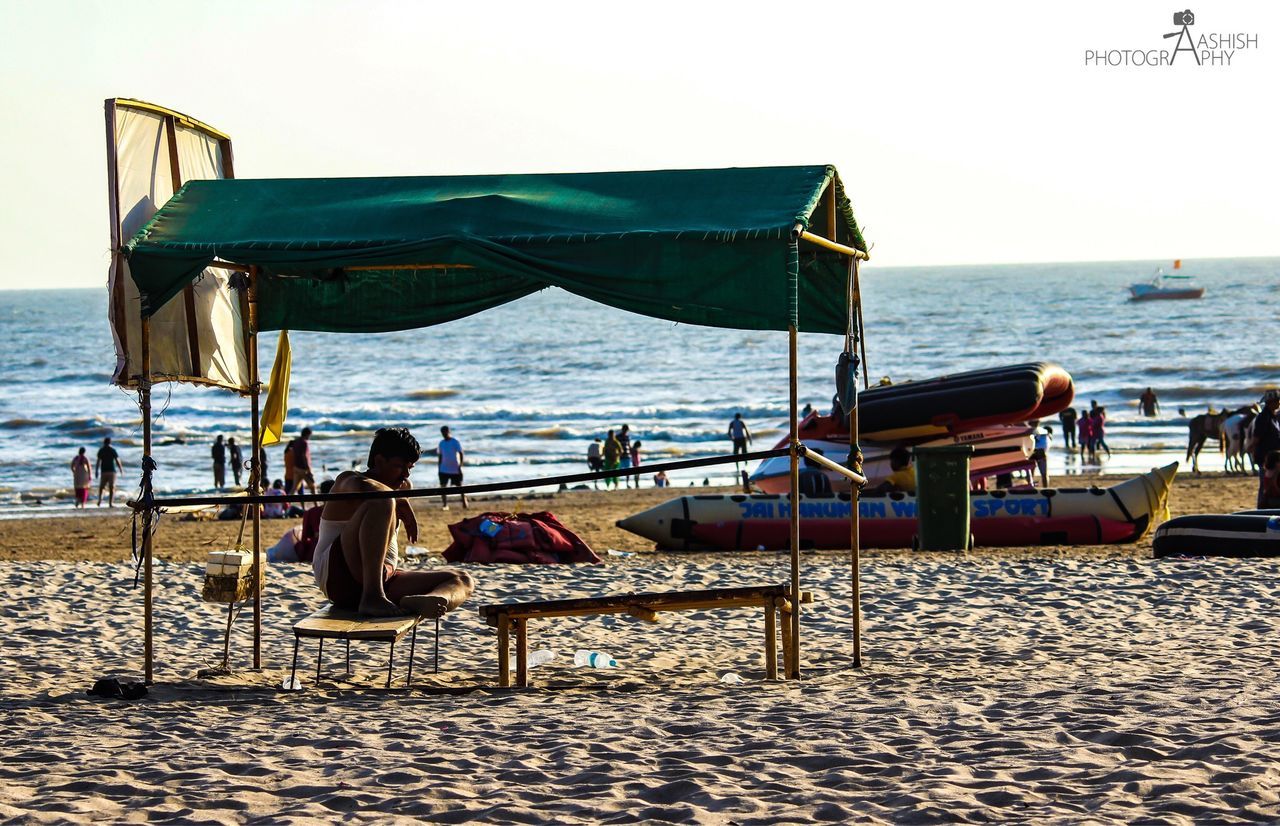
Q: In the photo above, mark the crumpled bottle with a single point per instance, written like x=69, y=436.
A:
x=593, y=659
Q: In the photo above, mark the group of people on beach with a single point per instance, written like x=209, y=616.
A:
x=1085, y=431
x=104, y=467
x=617, y=452
x=299, y=471
x=222, y=451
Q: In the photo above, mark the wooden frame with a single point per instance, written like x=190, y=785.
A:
x=791, y=617
x=514, y=617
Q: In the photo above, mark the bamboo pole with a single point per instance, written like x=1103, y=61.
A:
x=189, y=291
x=832, y=245
x=794, y=629
x=144, y=400
x=255, y=477
x=855, y=492
x=811, y=455
x=119, y=319
x=862, y=338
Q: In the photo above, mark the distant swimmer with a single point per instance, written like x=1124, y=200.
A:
x=299, y=453
x=82, y=477
x=635, y=460
x=219, y=452
x=1149, y=403
x=1084, y=436
x=595, y=459
x=624, y=460
x=740, y=434
x=1068, y=419
x=451, y=461
x=612, y=456
x=237, y=459
x=106, y=466
x=1100, y=431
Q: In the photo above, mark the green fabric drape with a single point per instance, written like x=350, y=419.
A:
x=709, y=247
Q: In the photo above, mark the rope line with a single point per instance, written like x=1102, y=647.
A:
x=174, y=501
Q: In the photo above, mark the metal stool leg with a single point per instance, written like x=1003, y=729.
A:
x=293, y=672
x=348, y=656
x=437, y=645
x=319, y=659
x=391, y=661
x=413, y=644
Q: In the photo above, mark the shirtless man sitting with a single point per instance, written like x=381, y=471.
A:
x=357, y=557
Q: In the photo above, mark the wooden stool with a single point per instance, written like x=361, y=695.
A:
x=335, y=624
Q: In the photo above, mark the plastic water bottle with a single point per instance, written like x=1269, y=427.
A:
x=593, y=659
x=541, y=656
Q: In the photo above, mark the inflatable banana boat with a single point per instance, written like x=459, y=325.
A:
x=1000, y=518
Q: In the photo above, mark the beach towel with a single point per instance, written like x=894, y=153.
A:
x=518, y=538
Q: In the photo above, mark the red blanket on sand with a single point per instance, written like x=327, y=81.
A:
x=521, y=538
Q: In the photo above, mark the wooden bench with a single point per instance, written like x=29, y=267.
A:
x=331, y=623
x=508, y=617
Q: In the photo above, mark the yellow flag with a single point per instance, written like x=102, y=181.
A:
x=277, y=403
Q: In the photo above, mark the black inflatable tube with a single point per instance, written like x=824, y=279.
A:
x=1233, y=535
x=977, y=394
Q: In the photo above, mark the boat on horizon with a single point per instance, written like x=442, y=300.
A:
x=1164, y=286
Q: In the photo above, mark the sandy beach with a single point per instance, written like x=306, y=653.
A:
x=1060, y=685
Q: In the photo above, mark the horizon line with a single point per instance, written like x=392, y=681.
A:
x=887, y=267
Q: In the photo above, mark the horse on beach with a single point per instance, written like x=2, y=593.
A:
x=1208, y=426
x=1236, y=430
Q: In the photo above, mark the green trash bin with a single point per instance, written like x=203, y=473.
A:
x=942, y=498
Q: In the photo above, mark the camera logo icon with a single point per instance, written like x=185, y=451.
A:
x=1184, y=18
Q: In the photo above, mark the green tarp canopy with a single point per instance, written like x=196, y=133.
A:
x=698, y=246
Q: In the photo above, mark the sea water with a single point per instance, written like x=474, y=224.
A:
x=526, y=386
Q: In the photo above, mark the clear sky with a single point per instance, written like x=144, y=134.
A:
x=966, y=132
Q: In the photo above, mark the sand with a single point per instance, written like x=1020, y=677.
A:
x=1054, y=685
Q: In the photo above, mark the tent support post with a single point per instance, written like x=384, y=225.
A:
x=793, y=668
x=862, y=339
x=255, y=477
x=144, y=402
x=853, y=315
x=855, y=540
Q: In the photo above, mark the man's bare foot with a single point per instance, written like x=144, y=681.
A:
x=379, y=607
x=425, y=605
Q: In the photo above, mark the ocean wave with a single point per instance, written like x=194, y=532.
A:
x=63, y=378
x=90, y=432
x=15, y=424
x=555, y=432
x=1217, y=395
x=76, y=424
